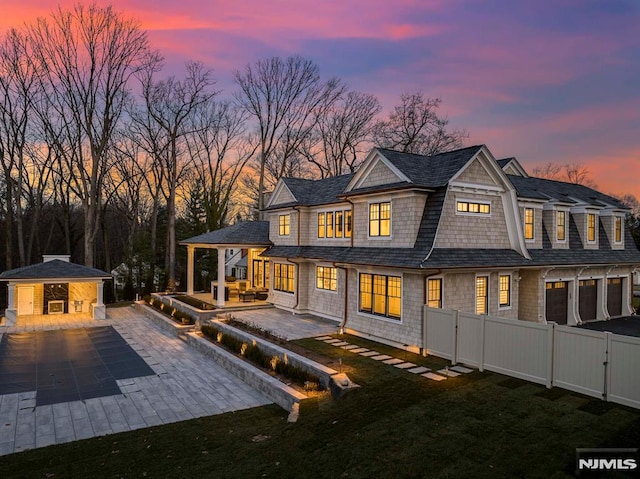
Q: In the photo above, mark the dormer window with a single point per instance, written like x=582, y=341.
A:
x=284, y=223
x=528, y=224
x=617, y=231
x=591, y=227
x=561, y=217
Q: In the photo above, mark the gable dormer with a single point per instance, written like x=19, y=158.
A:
x=376, y=170
x=587, y=222
x=511, y=166
x=281, y=195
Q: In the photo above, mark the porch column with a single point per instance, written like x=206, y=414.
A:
x=10, y=314
x=99, y=309
x=190, y=269
x=221, y=253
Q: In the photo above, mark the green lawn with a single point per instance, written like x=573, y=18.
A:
x=397, y=425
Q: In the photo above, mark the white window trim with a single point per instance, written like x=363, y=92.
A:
x=376, y=316
x=595, y=229
x=426, y=286
x=475, y=215
x=315, y=278
x=289, y=233
x=524, y=224
x=510, y=306
x=379, y=238
x=566, y=225
x=615, y=217
x=475, y=293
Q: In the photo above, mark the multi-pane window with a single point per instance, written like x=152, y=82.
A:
x=321, y=225
x=330, y=225
x=326, y=278
x=284, y=225
x=472, y=207
x=380, y=219
x=560, y=224
x=339, y=224
x=334, y=224
x=591, y=227
x=381, y=295
x=284, y=277
x=348, y=224
x=528, y=224
x=434, y=293
x=505, y=290
x=618, y=229
x=482, y=295
x=260, y=273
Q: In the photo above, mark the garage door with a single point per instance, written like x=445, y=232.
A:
x=614, y=296
x=556, y=308
x=588, y=301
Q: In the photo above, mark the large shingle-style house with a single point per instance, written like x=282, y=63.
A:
x=458, y=230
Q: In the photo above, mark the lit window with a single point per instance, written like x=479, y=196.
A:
x=618, y=229
x=330, y=225
x=434, y=293
x=381, y=295
x=528, y=224
x=347, y=224
x=474, y=208
x=326, y=278
x=560, y=222
x=284, y=224
x=505, y=290
x=482, y=295
x=339, y=225
x=380, y=219
x=283, y=279
x=591, y=227
x=321, y=220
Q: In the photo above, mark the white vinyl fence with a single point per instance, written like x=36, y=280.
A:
x=598, y=364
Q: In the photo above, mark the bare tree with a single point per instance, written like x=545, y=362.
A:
x=220, y=150
x=415, y=127
x=169, y=105
x=335, y=146
x=17, y=87
x=86, y=57
x=285, y=97
x=570, y=173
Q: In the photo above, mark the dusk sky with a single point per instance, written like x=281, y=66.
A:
x=544, y=81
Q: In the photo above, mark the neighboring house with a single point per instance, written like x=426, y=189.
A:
x=236, y=263
x=55, y=286
x=458, y=230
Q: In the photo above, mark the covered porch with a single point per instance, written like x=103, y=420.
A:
x=252, y=238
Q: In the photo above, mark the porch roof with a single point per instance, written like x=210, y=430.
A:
x=249, y=233
x=54, y=269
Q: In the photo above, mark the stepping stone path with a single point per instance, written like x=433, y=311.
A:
x=393, y=361
x=381, y=357
x=359, y=350
x=419, y=370
x=370, y=353
x=440, y=375
x=405, y=365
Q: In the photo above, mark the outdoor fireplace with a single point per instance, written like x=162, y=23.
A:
x=56, y=307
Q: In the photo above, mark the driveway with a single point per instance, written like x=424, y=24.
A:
x=183, y=385
x=627, y=326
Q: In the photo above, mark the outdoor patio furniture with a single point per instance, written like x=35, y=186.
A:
x=247, y=296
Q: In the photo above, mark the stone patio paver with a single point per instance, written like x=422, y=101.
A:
x=393, y=361
x=405, y=365
x=435, y=377
x=187, y=385
x=288, y=325
x=381, y=357
x=419, y=370
x=461, y=369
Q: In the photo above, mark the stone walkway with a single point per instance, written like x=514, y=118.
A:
x=288, y=325
x=186, y=385
x=439, y=375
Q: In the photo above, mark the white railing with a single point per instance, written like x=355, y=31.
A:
x=598, y=364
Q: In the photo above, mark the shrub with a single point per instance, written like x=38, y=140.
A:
x=175, y=314
x=255, y=355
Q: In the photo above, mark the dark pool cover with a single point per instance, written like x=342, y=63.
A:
x=67, y=365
